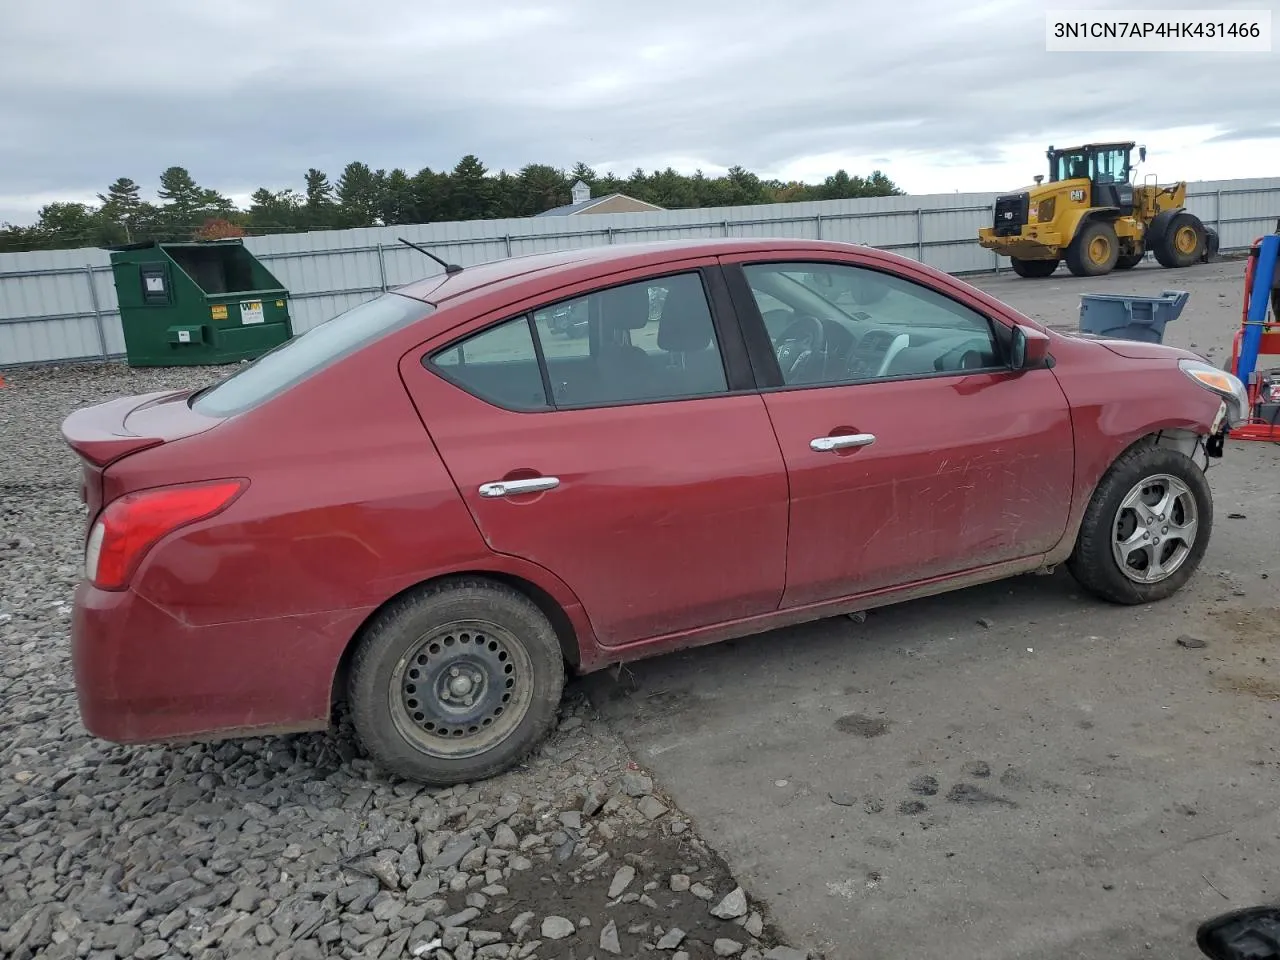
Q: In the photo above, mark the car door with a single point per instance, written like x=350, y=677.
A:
x=913, y=451
x=632, y=463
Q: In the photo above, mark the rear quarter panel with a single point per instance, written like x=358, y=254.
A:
x=348, y=505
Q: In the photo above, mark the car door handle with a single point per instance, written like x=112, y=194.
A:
x=505, y=488
x=824, y=444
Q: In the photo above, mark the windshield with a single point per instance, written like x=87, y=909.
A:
x=296, y=359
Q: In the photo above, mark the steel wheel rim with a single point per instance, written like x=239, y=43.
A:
x=1155, y=529
x=464, y=660
x=1185, y=240
x=1099, y=249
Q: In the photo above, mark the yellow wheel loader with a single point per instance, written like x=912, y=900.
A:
x=1094, y=216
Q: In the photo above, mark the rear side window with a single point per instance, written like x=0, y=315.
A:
x=499, y=365
x=295, y=360
x=641, y=342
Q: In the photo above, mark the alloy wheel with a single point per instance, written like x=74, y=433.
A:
x=1154, y=529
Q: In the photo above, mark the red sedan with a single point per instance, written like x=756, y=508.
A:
x=440, y=502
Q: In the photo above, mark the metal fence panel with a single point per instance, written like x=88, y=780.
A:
x=61, y=304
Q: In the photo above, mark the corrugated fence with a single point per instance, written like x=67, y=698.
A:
x=61, y=304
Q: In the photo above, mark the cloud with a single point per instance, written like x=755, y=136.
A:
x=248, y=94
x=1264, y=132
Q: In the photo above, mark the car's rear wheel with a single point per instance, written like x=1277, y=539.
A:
x=1146, y=528
x=456, y=682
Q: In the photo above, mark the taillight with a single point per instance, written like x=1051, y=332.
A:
x=131, y=525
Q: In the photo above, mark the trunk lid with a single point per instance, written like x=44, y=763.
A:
x=105, y=433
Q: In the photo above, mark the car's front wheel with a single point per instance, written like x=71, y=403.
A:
x=1146, y=528
x=456, y=682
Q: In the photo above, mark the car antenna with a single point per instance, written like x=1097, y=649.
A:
x=449, y=268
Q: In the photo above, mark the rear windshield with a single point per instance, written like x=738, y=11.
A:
x=299, y=358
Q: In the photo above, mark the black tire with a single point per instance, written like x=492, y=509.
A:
x=1033, y=269
x=1093, y=562
x=1094, y=249
x=498, y=639
x=1211, y=244
x=1129, y=261
x=1182, y=243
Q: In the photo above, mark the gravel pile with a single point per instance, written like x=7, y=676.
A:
x=298, y=847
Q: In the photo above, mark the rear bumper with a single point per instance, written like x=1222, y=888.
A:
x=142, y=675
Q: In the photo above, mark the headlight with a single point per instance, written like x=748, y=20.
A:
x=1225, y=385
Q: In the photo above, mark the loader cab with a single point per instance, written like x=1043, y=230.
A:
x=1106, y=166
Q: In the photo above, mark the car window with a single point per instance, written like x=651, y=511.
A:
x=837, y=323
x=645, y=341
x=562, y=328
x=649, y=340
x=499, y=364
x=304, y=355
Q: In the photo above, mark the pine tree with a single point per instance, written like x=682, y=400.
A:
x=121, y=205
x=361, y=194
x=179, y=191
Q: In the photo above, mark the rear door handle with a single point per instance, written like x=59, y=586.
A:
x=824, y=444
x=505, y=488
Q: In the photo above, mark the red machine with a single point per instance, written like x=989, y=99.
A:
x=1263, y=385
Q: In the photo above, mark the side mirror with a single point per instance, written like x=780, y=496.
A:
x=1249, y=934
x=1028, y=348
x=1142, y=154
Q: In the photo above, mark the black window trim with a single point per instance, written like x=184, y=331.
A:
x=734, y=352
x=548, y=392
x=764, y=361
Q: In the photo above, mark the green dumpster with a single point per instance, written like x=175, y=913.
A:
x=198, y=302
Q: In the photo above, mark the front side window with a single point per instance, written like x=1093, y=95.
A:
x=837, y=323
x=640, y=342
x=305, y=355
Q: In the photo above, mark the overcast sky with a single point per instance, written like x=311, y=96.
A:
x=942, y=95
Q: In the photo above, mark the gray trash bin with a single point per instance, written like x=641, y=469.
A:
x=1122, y=317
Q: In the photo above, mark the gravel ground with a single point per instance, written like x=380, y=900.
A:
x=298, y=847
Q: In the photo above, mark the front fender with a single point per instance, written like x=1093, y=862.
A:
x=1119, y=401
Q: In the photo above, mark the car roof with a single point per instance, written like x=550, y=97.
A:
x=490, y=277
